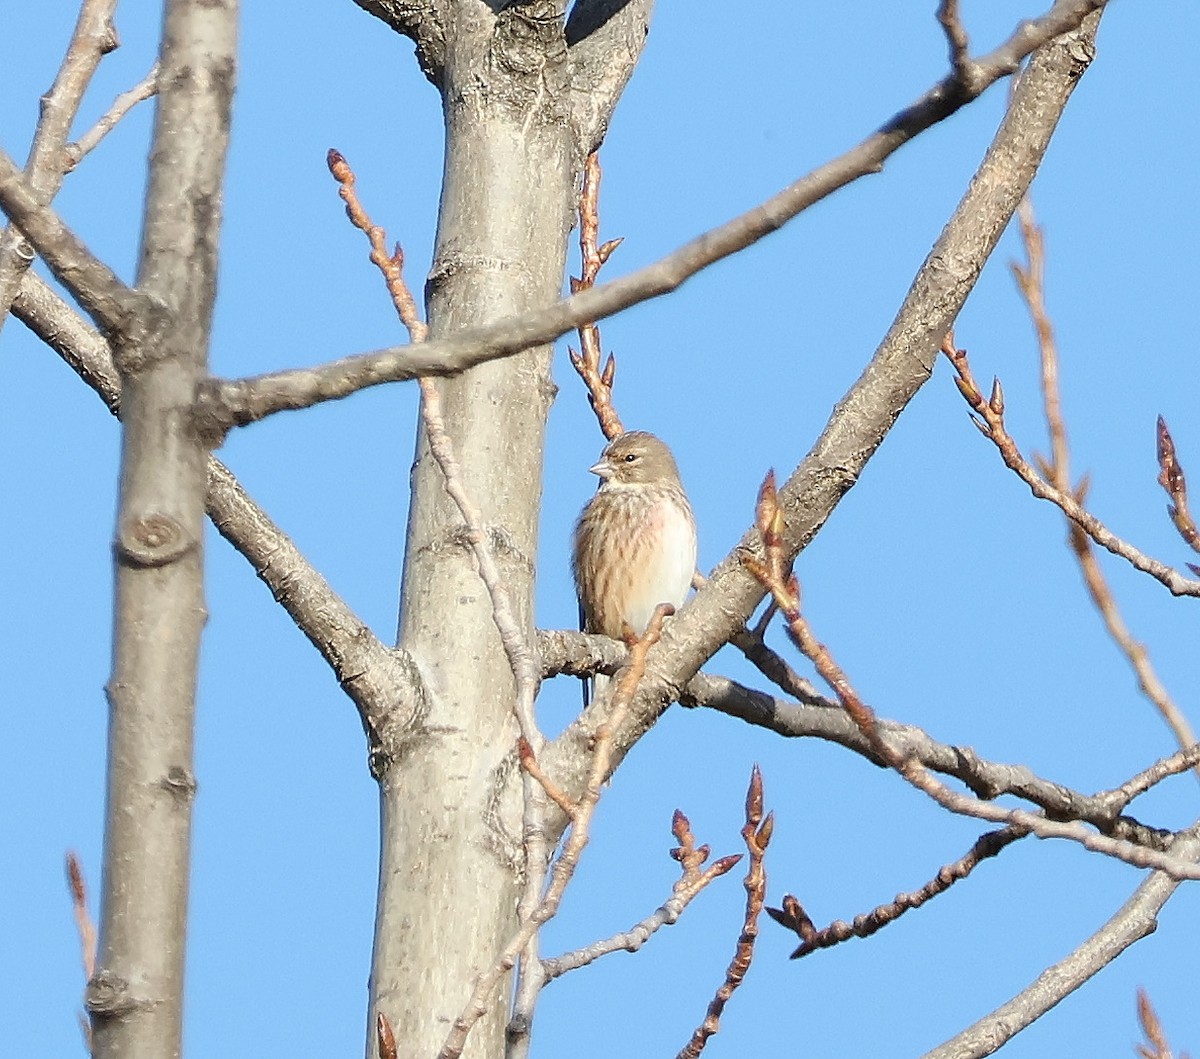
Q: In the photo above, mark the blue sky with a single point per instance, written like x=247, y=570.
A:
x=942, y=587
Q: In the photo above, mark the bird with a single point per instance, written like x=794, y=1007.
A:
x=634, y=545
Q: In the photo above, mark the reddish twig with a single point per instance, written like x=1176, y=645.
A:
x=1171, y=478
x=594, y=255
x=530, y=764
x=756, y=833
x=522, y=657
x=691, y=881
x=1056, y=471
x=390, y=265
x=793, y=916
x=903, y=760
x=627, y=681
x=989, y=418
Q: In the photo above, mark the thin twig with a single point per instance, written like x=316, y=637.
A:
x=564, y=866
x=776, y=668
x=1180, y=761
x=122, y=105
x=530, y=764
x=691, y=881
x=1136, y=919
x=94, y=37
x=593, y=255
x=990, y=421
x=906, y=764
x=756, y=833
x=229, y=403
x=1056, y=470
x=956, y=41
x=522, y=655
x=576, y=653
x=793, y=916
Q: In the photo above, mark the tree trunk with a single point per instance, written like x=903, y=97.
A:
x=135, y=998
x=451, y=851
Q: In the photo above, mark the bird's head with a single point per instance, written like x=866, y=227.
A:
x=636, y=458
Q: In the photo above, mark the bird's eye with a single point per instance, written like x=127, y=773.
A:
x=630, y=457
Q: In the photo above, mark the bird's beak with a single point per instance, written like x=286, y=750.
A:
x=603, y=469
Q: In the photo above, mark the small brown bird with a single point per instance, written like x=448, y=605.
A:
x=635, y=541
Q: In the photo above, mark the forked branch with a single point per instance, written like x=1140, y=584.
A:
x=756, y=833
x=786, y=595
x=237, y=402
x=990, y=421
x=692, y=880
x=1056, y=471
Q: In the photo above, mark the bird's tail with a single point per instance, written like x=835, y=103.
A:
x=594, y=687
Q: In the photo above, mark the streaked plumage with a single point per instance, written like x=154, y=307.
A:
x=635, y=541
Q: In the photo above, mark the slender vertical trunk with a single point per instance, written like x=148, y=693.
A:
x=136, y=995
x=451, y=857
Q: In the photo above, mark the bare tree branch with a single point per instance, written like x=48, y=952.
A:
x=563, y=870
x=756, y=833
x=794, y=917
x=84, y=349
x=522, y=658
x=381, y=681
x=238, y=402
x=786, y=594
x=691, y=881
x=93, y=38
x=116, y=308
x=991, y=423
x=422, y=21
x=901, y=365
x=1136, y=919
x=1057, y=471
x=587, y=362
x=122, y=105
x=956, y=39
x=136, y=996
x=578, y=654
x=986, y=779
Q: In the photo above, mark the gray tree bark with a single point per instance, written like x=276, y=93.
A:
x=526, y=94
x=136, y=996
x=450, y=867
